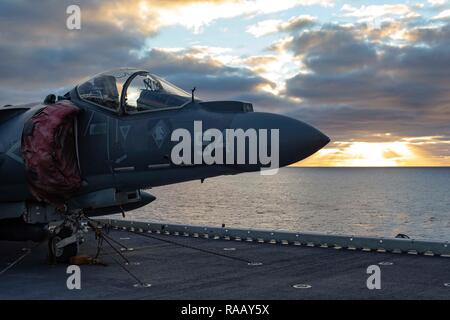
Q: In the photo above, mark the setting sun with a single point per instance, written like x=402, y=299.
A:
x=369, y=154
x=403, y=151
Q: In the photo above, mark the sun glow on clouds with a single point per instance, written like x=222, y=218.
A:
x=443, y=15
x=149, y=16
x=275, y=68
x=403, y=152
x=372, y=12
x=197, y=15
x=266, y=27
x=369, y=154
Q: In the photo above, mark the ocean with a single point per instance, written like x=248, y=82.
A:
x=350, y=201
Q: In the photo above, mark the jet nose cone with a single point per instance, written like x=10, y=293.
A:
x=297, y=140
x=308, y=137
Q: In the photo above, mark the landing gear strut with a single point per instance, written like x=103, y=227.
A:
x=64, y=241
x=63, y=245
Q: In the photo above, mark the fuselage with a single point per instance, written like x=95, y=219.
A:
x=133, y=151
x=125, y=151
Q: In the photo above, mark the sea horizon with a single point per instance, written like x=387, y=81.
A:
x=365, y=202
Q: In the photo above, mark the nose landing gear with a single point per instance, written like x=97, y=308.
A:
x=64, y=241
x=62, y=246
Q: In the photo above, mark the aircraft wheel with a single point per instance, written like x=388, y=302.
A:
x=62, y=255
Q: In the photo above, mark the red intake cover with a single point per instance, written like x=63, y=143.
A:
x=49, y=151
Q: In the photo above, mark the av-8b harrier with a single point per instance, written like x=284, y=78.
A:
x=94, y=150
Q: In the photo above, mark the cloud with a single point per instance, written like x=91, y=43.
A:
x=430, y=36
x=354, y=85
x=38, y=52
x=437, y=3
x=213, y=79
x=196, y=66
x=266, y=27
x=333, y=49
x=384, y=150
x=40, y=56
x=443, y=15
x=191, y=14
x=372, y=12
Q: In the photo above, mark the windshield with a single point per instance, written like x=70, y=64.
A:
x=105, y=89
x=143, y=91
x=148, y=92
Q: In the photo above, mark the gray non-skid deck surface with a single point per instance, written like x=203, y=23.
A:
x=177, y=272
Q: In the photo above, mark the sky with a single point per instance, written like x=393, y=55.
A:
x=373, y=75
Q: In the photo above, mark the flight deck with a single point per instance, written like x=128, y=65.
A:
x=157, y=261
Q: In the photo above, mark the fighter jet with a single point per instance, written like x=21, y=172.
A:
x=94, y=150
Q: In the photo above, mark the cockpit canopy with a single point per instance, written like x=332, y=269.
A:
x=132, y=90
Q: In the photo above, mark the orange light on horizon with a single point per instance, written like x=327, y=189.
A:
x=404, y=152
x=382, y=154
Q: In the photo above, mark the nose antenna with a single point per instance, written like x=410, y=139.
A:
x=192, y=91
